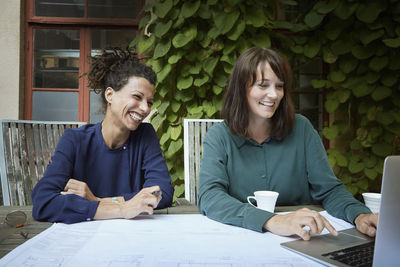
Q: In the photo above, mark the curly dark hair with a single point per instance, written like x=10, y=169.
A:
x=114, y=67
x=235, y=109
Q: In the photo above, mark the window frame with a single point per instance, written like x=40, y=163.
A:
x=84, y=25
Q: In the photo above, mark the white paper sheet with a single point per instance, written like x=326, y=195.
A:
x=159, y=240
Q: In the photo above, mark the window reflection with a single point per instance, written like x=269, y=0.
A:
x=56, y=58
x=60, y=8
x=112, y=9
x=55, y=106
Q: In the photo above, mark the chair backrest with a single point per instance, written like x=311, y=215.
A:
x=194, y=131
x=26, y=148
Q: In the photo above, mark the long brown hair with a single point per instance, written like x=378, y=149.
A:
x=235, y=109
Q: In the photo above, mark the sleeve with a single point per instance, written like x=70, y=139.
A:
x=48, y=203
x=214, y=199
x=326, y=188
x=155, y=168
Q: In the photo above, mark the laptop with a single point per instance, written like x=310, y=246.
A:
x=385, y=248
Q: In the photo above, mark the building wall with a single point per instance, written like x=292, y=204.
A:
x=11, y=64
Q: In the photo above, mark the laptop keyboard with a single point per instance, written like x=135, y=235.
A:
x=355, y=256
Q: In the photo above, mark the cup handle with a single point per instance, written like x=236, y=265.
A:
x=251, y=197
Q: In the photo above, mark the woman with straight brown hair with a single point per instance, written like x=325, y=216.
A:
x=263, y=145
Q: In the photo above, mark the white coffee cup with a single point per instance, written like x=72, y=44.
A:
x=266, y=200
x=372, y=201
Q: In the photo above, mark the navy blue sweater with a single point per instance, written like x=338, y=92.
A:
x=82, y=154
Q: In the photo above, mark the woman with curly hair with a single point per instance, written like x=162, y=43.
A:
x=115, y=168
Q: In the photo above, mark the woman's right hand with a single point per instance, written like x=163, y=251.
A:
x=144, y=201
x=294, y=223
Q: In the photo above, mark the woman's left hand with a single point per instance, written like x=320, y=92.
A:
x=79, y=188
x=367, y=223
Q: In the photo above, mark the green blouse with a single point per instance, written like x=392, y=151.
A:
x=297, y=167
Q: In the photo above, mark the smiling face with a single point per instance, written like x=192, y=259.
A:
x=265, y=95
x=131, y=104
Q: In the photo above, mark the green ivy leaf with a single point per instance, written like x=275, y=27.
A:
x=341, y=160
x=145, y=43
x=372, y=77
x=325, y=7
x=298, y=49
x=362, y=89
x=182, y=39
x=200, y=81
x=337, y=76
x=369, y=11
x=381, y=92
x=330, y=132
x=176, y=132
x=217, y=90
x=345, y=9
x=331, y=105
x=261, y=40
x=189, y=8
x=361, y=52
x=394, y=42
x=225, y=21
x=311, y=49
x=164, y=138
x=184, y=82
x=378, y=63
x=318, y=83
x=385, y=118
x=313, y=19
x=174, y=147
x=162, y=48
x=195, y=69
x=221, y=79
x=348, y=65
x=371, y=173
x=328, y=56
x=204, y=11
x=175, y=106
x=389, y=79
x=195, y=109
x=355, y=166
x=161, y=9
x=341, y=47
x=162, y=28
x=158, y=120
x=164, y=73
x=382, y=149
x=343, y=95
x=368, y=36
x=355, y=145
x=255, y=16
x=179, y=190
x=363, y=184
x=209, y=64
x=235, y=33
x=175, y=57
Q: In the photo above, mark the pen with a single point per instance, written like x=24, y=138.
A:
x=156, y=193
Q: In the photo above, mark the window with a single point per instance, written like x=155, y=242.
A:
x=61, y=35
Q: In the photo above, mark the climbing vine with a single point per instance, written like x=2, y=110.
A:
x=193, y=45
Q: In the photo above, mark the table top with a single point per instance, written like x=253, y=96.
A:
x=10, y=238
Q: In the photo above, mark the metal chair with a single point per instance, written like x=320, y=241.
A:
x=194, y=131
x=26, y=148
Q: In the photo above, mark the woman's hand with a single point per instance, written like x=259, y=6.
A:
x=79, y=188
x=144, y=201
x=367, y=223
x=294, y=223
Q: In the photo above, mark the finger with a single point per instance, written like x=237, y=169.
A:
x=330, y=227
x=148, y=210
x=319, y=221
x=304, y=234
x=151, y=189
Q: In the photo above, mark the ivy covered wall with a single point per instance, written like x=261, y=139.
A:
x=193, y=45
